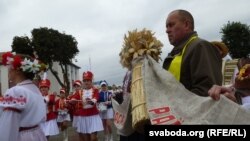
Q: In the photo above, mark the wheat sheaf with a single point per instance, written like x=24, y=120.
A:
x=139, y=43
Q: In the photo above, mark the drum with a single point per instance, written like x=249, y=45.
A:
x=102, y=107
x=62, y=112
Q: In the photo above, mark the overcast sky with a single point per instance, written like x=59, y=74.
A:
x=99, y=25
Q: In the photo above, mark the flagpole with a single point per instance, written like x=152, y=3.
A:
x=89, y=63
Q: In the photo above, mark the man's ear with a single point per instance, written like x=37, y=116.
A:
x=187, y=24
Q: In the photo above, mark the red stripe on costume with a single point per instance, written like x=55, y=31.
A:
x=51, y=116
x=51, y=103
x=12, y=109
x=51, y=107
x=88, y=112
x=78, y=105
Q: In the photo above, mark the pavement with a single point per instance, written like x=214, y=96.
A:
x=73, y=136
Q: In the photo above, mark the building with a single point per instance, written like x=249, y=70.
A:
x=73, y=74
x=4, y=83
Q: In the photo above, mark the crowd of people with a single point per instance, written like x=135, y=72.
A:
x=31, y=113
x=89, y=109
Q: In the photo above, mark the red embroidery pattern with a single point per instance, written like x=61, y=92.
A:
x=10, y=100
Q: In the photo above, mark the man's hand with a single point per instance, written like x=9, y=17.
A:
x=216, y=91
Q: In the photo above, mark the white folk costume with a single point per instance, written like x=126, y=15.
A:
x=24, y=109
x=50, y=126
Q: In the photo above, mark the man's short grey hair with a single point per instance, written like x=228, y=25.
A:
x=186, y=16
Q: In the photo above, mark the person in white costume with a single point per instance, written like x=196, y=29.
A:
x=23, y=105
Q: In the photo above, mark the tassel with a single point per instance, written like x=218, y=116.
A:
x=44, y=75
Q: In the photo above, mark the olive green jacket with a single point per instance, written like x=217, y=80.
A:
x=200, y=67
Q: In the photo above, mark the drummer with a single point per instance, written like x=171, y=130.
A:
x=89, y=121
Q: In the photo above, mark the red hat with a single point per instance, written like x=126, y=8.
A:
x=44, y=83
x=87, y=75
x=78, y=83
x=62, y=90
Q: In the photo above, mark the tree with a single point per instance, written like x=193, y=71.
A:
x=50, y=46
x=237, y=37
x=22, y=45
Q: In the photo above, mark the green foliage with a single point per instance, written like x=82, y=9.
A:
x=237, y=37
x=50, y=46
x=109, y=87
x=22, y=45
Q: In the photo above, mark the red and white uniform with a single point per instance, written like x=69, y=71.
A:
x=70, y=106
x=23, y=110
x=77, y=106
x=89, y=120
x=62, y=110
x=50, y=127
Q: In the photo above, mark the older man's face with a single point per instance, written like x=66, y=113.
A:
x=175, y=28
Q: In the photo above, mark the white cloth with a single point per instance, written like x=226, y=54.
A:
x=37, y=135
x=1, y=110
x=75, y=121
x=246, y=106
x=245, y=100
x=50, y=128
x=89, y=124
x=27, y=99
x=102, y=107
x=246, y=103
x=165, y=96
x=88, y=94
x=108, y=114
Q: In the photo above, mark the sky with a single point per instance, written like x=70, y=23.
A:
x=99, y=26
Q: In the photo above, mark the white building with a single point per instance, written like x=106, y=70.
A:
x=73, y=74
x=4, y=83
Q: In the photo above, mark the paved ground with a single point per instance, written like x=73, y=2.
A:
x=72, y=135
